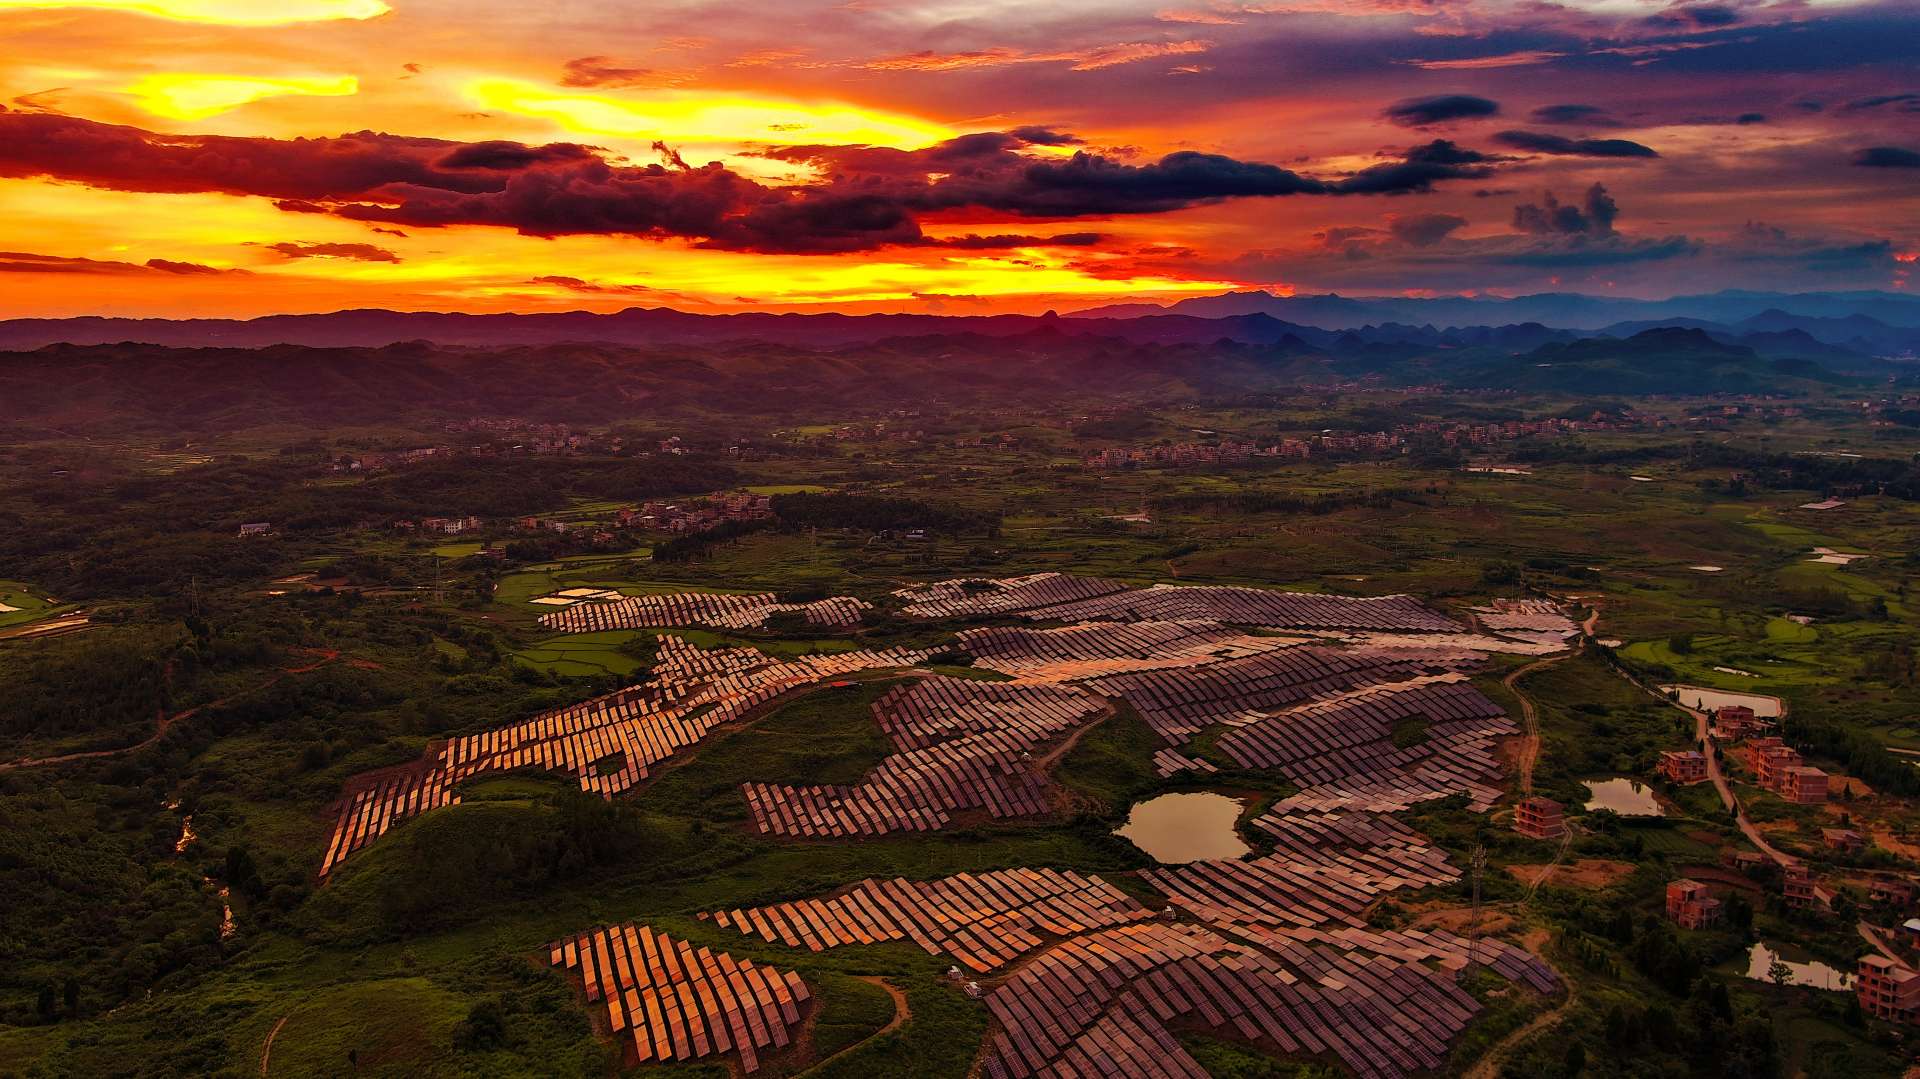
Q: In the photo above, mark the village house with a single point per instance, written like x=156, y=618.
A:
x=1801, y=891
x=1734, y=722
x=1761, y=754
x=1802, y=785
x=1691, y=905
x=1685, y=767
x=1886, y=989
x=448, y=526
x=1541, y=818
x=1844, y=840
x=1743, y=861
x=255, y=528
x=1890, y=890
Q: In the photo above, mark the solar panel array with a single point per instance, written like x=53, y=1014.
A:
x=1179, y=704
x=1325, y=868
x=666, y=1000
x=974, y=597
x=1092, y=649
x=1271, y=947
x=607, y=744
x=1366, y=708
x=1341, y=751
x=714, y=609
x=962, y=744
x=1099, y=1004
x=983, y=920
x=1060, y=597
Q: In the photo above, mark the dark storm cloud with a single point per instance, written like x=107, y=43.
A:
x=1043, y=136
x=1887, y=157
x=1907, y=102
x=971, y=242
x=186, y=268
x=131, y=159
x=1419, y=169
x=26, y=262
x=1701, y=16
x=1748, y=118
x=1440, y=108
x=604, y=71
x=500, y=154
x=1540, y=142
x=1588, y=115
x=355, y=252
x=864, y=197
x=576, y=284
x=1593, y=217
x=1425, y=230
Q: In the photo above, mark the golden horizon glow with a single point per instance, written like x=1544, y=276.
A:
x=218, y=12
x=160, y=144
x=183, y=96
x=708, y=117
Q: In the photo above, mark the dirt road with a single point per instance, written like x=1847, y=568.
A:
x=164, y=722
x=902, y=1011
x=1530, y=743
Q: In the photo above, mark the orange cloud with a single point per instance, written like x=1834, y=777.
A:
x=219, y=12
x=182, y=96
x=1092, y=59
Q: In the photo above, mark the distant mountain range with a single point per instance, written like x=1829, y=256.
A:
x=364, y=366
x=1837, y=326
x=1855, y=314
x=122, y=387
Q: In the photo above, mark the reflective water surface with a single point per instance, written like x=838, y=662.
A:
x=1187, y=827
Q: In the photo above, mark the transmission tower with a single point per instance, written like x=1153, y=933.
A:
x=1479, y=863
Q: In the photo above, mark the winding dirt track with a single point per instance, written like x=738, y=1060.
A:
x=1530, y=744
x=266, y=1051
x=1488, y=1066
x=902, y=1011
x=163, y=722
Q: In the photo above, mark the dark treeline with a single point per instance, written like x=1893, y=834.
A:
x=76, y=536
x=113, y=680
x=1862, y=754
x=1275, y=502
x=879, y=513
x=867, y=513
x=1827, y=474
x=697, y=545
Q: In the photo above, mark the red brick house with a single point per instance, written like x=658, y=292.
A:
x=1541, y=818
x=1691, y=905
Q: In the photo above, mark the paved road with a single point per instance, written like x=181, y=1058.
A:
x=1872, y=936
x=1701, y=721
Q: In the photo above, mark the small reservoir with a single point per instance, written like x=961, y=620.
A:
x=1627, y=797
x=1707, y=700
x=1805, y=971
x=1188, y=827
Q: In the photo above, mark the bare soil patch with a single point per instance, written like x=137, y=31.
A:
x=1589, y=873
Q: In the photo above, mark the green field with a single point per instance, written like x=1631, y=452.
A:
x=29, y=605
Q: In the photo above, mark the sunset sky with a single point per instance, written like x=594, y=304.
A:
x=242, y=157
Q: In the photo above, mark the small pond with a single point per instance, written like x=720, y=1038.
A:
x=1802, y=968
x=1709, y=699
x=1188, y=827
x=1627, y=797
